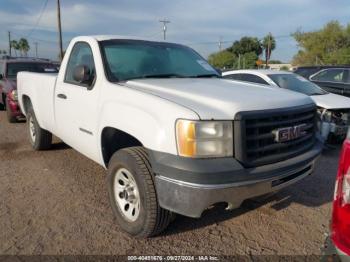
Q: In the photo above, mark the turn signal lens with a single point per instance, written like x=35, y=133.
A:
x=202, y=139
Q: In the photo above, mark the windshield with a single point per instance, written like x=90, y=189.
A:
x=297, y=83
x=134, y=59
x=14, y=68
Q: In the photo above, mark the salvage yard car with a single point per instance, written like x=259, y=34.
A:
x=174, y=136
x=334, y=79
x=333, y=110
x=9, y=68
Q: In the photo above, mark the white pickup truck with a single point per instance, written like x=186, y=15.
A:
x=173, y=135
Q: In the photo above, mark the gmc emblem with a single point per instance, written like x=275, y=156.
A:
x=289, y=133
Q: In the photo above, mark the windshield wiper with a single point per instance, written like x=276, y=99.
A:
x=316, y=94
x=155, y=76
x=163, y=76
x=172, y=76
x=205, y=75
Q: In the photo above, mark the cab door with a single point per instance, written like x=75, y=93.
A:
x=76, y=102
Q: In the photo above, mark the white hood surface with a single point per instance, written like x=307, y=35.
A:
x=332, y=101
x=213, y=98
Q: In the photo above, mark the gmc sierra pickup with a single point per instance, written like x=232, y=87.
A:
x=174, y=136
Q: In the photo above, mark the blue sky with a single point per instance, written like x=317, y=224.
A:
x=197, y=23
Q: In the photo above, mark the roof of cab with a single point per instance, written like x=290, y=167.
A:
x=112, y=37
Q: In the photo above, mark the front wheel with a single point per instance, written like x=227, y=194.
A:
x=39, y=138
x=133, y=195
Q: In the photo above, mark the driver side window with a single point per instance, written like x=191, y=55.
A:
x=80, y=55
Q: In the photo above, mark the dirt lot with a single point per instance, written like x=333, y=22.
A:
x=55, y=202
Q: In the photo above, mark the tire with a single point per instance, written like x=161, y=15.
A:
x=40, y=139
x=3, y=102
x=10, y=118
x=151, y=219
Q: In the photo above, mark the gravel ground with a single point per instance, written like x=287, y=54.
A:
x=56, y=202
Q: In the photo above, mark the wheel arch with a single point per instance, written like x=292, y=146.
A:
x=114, y=139
x=26, y=102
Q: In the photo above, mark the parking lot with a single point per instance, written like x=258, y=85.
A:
x=56, y=202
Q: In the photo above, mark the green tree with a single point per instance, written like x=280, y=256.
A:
x=275, y=62
x=23, y=46
x=249, y=60
x=284, y=68
x=246, y=45
x=222, y=60
x=268, y=44
x=329, y=45
x=15, y=46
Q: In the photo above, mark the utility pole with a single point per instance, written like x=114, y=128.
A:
x=36, y=49
x=164, y=21
x=9, y=35
x=239, y=61
x=268, y=50
x=59, y=30
x=220, y=43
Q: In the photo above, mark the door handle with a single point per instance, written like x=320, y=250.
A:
x=63, y=96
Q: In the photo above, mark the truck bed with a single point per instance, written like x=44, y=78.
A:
x=40, y=87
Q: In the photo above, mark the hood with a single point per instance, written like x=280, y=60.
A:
x=213, y=98
x=331, y=101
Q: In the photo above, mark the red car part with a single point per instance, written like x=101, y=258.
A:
x=341, y=204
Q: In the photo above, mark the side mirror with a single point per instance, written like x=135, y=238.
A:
x=1, y=76
x=82, y=75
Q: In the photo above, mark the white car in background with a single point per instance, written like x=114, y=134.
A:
x=333, y=110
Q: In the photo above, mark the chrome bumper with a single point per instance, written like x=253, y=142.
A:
x=192, y=199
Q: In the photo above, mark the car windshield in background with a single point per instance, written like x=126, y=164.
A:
x=14, y=68
x=135, y=59
x=297, y=83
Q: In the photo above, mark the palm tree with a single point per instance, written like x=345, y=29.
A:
x=15, y=46
x=23, y=46
x=268, y=44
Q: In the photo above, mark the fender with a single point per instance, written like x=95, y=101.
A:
x=154, y=128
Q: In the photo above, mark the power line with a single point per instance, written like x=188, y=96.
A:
x=231, y=41
x=39, y=18
x=39, y=39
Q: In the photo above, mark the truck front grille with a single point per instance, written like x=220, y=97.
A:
x=255, y=135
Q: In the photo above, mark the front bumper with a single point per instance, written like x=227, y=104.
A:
x=332, y=128
x=13, y=107
x=189, y=186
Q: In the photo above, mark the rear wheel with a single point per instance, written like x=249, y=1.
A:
x=39, y=138
x=133, y=195
x=10, y=117
x=2, y=102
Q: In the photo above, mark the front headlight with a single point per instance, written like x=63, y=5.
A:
x=201, y=139
x=14, y=95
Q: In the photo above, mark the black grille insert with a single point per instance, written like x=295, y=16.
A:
x=255, y=143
